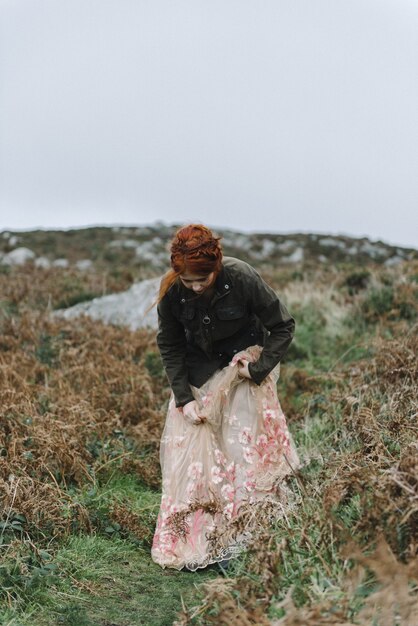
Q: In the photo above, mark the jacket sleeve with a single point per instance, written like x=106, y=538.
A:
x=171, y=340
x=275, y=318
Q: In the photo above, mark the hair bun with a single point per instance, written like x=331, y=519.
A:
x=195, y=240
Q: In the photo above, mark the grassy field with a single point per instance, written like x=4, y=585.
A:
x=101, y=577
x=82, y=410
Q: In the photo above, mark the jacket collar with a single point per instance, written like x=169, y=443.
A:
x=223, y=282
x=223, y=285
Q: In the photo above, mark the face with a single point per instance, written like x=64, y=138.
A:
x=197, y=282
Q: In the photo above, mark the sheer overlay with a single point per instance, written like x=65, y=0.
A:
x=239, y=454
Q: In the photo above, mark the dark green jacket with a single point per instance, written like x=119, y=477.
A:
x=196, y=338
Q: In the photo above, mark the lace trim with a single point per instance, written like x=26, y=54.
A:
x=287, y=501
x=222, y=555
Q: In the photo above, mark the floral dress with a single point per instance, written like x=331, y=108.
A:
x=239, y=454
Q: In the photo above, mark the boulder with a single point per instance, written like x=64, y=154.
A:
x=18, y=256
x=128, y=308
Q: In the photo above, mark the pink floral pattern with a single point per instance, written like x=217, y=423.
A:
x=238, y=454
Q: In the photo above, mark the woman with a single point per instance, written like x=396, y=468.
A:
x=222, y=332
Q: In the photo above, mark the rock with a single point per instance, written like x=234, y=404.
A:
x=353, y=250
x=152, y=251
x=60, y=263
x=295, y=257
x=19, y=256
x=84, y=264
x=331, y=242
x=374, y=250
x=287, y=245
x=128, y=308
x=43, y=262
x=267, y=249
x=123, y=243
x=236, y=240
x=394, y=260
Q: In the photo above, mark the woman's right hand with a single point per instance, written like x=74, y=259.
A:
x=190, y=412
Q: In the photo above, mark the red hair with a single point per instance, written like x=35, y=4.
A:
x=196, y=249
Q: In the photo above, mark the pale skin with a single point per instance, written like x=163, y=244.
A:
x=199, y=284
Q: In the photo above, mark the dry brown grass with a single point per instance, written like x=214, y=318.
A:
x=375, y=467
x=380, y=415
x=66, y=390
x=30, y=288
x=74, y=393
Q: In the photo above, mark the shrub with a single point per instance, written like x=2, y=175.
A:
x=356, y=281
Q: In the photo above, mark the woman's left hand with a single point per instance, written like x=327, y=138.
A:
x=243, y=369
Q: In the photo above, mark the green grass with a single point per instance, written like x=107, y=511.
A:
x=128, y=588
x=104, y=578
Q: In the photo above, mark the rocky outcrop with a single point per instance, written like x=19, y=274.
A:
x=132, y=308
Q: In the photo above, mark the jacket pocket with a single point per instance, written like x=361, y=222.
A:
x=230, y=312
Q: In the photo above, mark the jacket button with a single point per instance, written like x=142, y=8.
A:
x=252, y=334
x=183, y=300
x=226, y=286
x=234, y=351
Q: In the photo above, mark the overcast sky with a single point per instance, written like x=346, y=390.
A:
x=266, y=115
